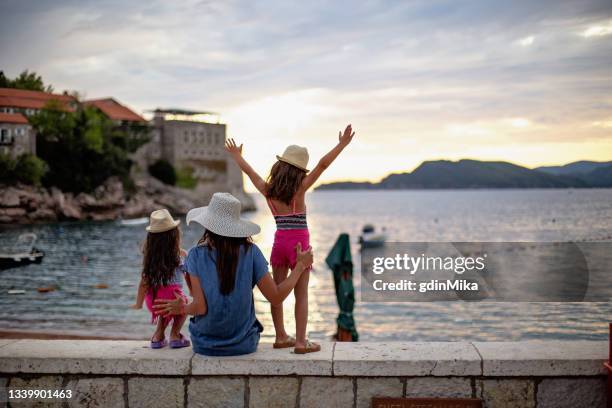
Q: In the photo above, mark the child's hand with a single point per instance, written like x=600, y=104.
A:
x=345, y=139
x=136, y=306
x=232, y=148
x=183, y=252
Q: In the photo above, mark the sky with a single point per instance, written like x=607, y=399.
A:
x=528, y=82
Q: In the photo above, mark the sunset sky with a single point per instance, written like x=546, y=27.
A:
x=523, y=81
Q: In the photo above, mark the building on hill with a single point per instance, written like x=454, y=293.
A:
x=16, y=135
x=118, y=113
x=192, y=142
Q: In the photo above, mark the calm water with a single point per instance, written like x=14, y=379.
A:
x=81, y=255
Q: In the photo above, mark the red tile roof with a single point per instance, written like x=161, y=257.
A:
x=20, y=98
x=13, y=118
x=114, y=110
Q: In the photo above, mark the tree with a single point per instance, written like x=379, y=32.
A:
x=81, y=147
x=27, y=169
x=163, y=171
x=26, y=80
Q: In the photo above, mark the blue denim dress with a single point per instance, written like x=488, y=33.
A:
x=229, y=327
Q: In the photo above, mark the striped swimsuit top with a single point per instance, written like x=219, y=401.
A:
x=293, y=221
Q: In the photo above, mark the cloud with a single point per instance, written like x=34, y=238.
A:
x=440, y=74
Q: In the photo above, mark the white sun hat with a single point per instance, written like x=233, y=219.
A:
x=222, y=216
x=161, y=221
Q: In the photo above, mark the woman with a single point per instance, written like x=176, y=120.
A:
x=224, y=268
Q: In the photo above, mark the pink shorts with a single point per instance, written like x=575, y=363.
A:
x=283, y=249
x=164, y=292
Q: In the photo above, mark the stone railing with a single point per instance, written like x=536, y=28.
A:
x=128, y=373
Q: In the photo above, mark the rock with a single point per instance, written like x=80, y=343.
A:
x=326, y=392
x=43, y=214
x=96, y=392
x=41, y=383
x=508, y=393
x=273, y=392
x=70, y=209
x=14, y=212
x=155, y=392
x=138, y=206
x=452, y=387
x=367, y=388
x=9, y=197
x=585, y=393
x=216, y=392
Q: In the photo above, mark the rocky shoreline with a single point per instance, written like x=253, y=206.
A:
x=23, y=204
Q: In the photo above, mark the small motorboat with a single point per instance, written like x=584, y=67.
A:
x=370, y=238
x=23, y=252
x=133, y=221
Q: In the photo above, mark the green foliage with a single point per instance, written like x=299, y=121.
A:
x=26, y=80
x=27, y=169
x=163, y=171
x=80, y=147
x=185, y=178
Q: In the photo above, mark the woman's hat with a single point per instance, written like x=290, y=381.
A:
x=222, y=216
x=161, y=221
x=296, y=156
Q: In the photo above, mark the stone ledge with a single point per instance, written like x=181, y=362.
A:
x=406, y=359
x=543, y=358
x=393, y=359
x=267, y=361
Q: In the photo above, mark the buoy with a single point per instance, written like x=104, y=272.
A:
x=126, y=283
x=16, y=292
x=101, y=286
x=45, y=289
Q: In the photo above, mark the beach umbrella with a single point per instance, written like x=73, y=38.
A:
x=340, y=262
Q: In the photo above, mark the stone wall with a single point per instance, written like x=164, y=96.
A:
x=128, y=373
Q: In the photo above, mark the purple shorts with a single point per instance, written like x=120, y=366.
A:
x=164, y=292
x=283, y=249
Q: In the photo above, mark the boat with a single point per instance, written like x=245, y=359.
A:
x=133, y=221
x=370, y=238
x=23, y=252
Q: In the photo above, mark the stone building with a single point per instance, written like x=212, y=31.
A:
x=16, y=135
x=190, y=141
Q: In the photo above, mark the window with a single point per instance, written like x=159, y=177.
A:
x=217, y=139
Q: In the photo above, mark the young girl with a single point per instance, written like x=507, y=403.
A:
x=162, y=276
x=285, y=191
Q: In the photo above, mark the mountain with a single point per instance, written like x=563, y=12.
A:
x=445, y=174
x=576, y=168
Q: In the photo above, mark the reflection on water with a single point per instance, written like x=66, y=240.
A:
x=81, y=255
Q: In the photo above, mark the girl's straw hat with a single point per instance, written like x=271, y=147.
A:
x=161, y=221
x=222, y=216
x=296, y=156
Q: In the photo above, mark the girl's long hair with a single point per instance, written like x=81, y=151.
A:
x=228, y=253
x=161, y=256
x=283, y=182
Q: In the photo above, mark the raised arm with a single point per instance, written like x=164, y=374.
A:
x=236, y=153
x=343, y=140
x=275, y=294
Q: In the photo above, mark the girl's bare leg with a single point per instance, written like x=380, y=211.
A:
x=301, y=309
x=177, y=325
x=160, y=330
x=279, y=274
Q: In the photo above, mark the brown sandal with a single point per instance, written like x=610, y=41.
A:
x=311, y=347
x=290, y=342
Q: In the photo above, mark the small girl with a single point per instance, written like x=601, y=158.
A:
x=162, y=277
x=285, y=191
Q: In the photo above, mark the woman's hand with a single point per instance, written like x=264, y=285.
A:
x=232, y=148
x=167, y=307
x=346, y=137
x=304, y=258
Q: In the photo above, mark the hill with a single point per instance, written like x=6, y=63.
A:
x=474, y=174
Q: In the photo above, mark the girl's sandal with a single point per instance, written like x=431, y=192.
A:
x=159, y=344
x=290, y=342
x=311, y=347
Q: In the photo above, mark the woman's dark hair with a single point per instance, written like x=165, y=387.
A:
x=228, y=253
x=284, y=181
x=161, y=256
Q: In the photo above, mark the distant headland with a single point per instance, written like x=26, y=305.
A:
x=474, y=174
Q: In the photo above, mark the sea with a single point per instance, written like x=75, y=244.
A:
x=95, y=266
